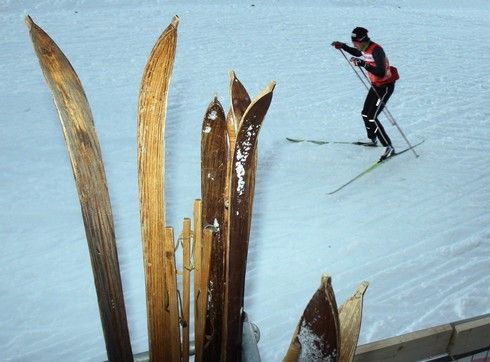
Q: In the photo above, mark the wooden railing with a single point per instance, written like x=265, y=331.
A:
x=452, y=340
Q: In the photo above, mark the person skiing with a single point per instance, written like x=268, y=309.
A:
x=382, y=76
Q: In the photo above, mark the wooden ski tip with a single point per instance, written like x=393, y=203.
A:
x=175, y=21
x=362, y=288
x=29, y=22
x=271, y=86
x=326, y=279
x=232, y=75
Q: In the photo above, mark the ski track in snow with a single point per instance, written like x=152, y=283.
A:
x=416, y=229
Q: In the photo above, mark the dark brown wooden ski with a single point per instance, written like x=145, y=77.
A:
x=152, y=109
x=318, y=329
x=88, y=169
x=214, y=166
x=240, y=100
x=241, y=196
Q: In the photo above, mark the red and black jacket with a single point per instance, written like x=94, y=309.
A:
x=377, y=64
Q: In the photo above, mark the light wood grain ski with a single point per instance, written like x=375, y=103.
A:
x=241, y=195
x=214, y=168
x=350, y=317
x=152, y=109
x=88, y=169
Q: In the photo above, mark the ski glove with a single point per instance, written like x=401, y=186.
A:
x=358, y=62
x=337, y=44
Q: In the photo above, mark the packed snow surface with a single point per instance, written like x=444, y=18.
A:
x=417, y=229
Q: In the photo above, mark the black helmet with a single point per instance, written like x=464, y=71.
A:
x=359, y=34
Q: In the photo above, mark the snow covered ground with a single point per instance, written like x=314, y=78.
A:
x=417, y=229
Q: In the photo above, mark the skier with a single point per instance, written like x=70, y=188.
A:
x=382, y=76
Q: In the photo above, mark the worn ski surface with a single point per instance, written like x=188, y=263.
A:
x=240, y=217
x=324, y=142
x=152, y=109
x=240, y=100
x=372, y=167
x=88, y=169
x=350, y=317
x=214, y=169
x=317, y=336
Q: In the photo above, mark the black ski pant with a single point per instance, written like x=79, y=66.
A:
x=373, y=105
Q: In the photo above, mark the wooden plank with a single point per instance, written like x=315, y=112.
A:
x=197, y=255
x=470, y=336
x=172, y=304
x=186, y=245
x=408, y=347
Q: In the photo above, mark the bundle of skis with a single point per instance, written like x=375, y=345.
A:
x=215, y=248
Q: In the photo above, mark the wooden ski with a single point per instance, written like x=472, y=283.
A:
x=152, y=109
x=317, y=334
x=241, y=195
x=240, y=100
x=350, y=317
x=214, y=167
x=88, y=169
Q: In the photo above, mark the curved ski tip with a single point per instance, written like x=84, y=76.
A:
x=175, y=21
x=326, y=279
x=362, y=288
x=232, y=74
x=271, y=86
x=29, y=22
x=215, y=103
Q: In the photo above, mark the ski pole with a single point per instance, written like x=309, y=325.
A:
x=385, y=108
x=389, y=115
x=368, y=86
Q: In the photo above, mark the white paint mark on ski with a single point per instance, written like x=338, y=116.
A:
x=213, y=115
x=242, y=155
